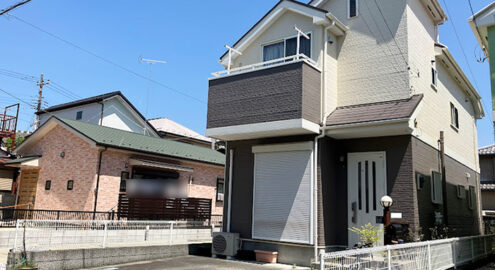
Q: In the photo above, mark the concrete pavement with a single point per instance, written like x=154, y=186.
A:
x=197, y=262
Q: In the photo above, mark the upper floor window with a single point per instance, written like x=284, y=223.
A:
x=287, y=47
x=454, y=116
x=79, y=115
x=434, y=76
x=353, y=8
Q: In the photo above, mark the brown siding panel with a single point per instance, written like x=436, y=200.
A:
x=284, y=92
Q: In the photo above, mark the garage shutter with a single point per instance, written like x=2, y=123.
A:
x=282, y=196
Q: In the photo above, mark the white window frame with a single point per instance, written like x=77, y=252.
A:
x=286, y=148
x=454, y=116
x=349, y=9
x=434, y=77
x=310, y=33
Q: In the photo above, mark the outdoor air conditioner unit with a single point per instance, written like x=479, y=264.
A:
x=224, y=243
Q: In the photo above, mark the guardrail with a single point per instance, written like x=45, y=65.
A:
x=267, y=64
x=431, y=255
x=63, y=234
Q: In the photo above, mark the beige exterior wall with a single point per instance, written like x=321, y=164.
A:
x=280, y=29
x=434, y=114
x=370, y=65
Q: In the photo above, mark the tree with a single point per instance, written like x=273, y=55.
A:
x=18, y=141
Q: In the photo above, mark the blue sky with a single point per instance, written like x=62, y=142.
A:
x=189, y=35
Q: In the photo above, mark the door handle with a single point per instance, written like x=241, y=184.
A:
x=354, y=212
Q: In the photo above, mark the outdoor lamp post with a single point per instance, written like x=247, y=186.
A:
x=386, y=202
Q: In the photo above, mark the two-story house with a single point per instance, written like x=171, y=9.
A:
x=316, y=136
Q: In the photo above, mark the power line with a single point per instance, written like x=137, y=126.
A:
x=476, y=26
x=13, y=7
x=109, y=61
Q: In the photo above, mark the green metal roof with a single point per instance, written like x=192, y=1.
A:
x=116, y=138
x=20, y=160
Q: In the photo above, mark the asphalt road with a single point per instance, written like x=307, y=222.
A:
x=196, y=262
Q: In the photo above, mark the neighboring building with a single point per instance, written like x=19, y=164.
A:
x=110, y=110
x=169, y=129
x=315, y=140
x=72, y=165
x=483, y=26
x=487, y=166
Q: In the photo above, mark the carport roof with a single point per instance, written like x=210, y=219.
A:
x=20, y=160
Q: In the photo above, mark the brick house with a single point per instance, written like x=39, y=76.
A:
x=73, y=165
x=325, y=107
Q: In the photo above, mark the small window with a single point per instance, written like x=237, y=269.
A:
x=273, y=51
x=436, y=188
x=79, y=115
x=48, y=184
x=472, y=198
x=434, y=76
x=123, y=177
x=454, y=116
x=220, y=189
x=461, y=192
x=353, y=8
x=70, y=185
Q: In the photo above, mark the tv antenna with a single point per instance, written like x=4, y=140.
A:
x=150, y=62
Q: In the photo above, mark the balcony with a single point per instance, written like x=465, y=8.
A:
x=270, y=99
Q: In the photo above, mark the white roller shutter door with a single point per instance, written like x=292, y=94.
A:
x=282, y=207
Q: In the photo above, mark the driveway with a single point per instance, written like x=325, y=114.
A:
x=196, y=262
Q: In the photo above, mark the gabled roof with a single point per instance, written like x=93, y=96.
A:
x=318, y=14
x=96, y=99
x=371, y=112
x=443, y=53
x=130, y=141
x=168, y=126
x=83, y=101
x=487, y=150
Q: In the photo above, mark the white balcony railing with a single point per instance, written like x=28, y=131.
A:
x=267, y=64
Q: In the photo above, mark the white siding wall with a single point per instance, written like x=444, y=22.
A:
x=91, y=113
x=117, y=115
x=281, y=28
x=434, y=115
x=370, y=65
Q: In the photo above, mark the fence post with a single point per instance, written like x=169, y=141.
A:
x=429, y=255
x=58, y=214
x=146, y=232
x=113, y=214
x=454, y=253
x=16, y=231
x=103, y=245
x=171, y=229
x=389, y=258
x=322, y=260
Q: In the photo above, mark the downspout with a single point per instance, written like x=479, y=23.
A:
x=321, y=135
x=98, y=178
x=231, y=162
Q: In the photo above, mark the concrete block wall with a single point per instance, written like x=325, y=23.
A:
x=97, y=257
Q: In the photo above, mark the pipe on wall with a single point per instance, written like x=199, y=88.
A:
x=98, y=178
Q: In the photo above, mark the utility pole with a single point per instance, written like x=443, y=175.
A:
x=41, y=83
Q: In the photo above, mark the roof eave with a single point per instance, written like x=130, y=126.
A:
x=272, y=15
x=443, y=52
